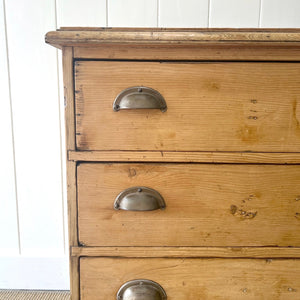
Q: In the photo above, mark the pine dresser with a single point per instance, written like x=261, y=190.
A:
x=183, y=162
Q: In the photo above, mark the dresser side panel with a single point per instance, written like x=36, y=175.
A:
x=71, y=166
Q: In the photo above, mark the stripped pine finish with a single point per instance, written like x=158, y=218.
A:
x=206, y=205
x=196, y=252
x=71, y=166
x=183, y=52
x=182, y=156
x=95, y=36
x=211, y=106
x=33, y=216
x=224, y=156
x=187, y=279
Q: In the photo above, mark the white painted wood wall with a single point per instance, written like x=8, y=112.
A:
x=33, y=233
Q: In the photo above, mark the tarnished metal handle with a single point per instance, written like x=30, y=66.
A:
x=140, y=97
x=139, y=198
x=141, y=289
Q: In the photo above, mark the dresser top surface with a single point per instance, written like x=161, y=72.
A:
x=93, y=36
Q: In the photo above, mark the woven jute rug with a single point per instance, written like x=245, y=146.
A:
x=34, y=295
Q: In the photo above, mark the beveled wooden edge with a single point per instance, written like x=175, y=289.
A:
x=159, y=29
x=185, y=157
x=94, y=37
x=193, y=252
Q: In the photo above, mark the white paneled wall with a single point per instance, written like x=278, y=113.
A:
x=132, y=13
x=9, y=242
x=33, y=244
x=183, y=13
x=278, y=13
x=33, y=98
x=234, y=13
x=36, y=125
x=81, y=13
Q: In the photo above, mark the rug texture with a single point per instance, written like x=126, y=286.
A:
x=34, y=295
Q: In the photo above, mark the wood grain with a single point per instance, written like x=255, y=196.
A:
x=196, y=157
x=207, y=205
x=165, y=36
x=187, y=279
x=71, y=166
x=239, y=113
x=211, y=107
x=195, y=252
x=229, y=52
x=70, y=142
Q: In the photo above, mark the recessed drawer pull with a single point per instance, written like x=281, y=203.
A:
x=139, y=199
x=139, y=97
x=141, y=289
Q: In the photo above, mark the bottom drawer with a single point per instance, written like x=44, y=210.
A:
x=182, y=279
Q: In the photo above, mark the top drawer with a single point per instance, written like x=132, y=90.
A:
x=211, y=106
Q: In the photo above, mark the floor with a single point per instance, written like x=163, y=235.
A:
x=34, y=295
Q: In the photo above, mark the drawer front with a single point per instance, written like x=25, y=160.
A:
x=183, y=279
x=211, y=106
x=206, y=205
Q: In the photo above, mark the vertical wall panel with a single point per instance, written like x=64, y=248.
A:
x=8, y=208
x=34, y=91
x=278, y=13
x=132, y=13
x=234, y=13
x=81, y=13
x=183, y=13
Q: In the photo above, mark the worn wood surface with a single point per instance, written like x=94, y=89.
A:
x=74, y=277
x=82, y=36
x=247, y=112
x=206, y=205
x=228, y=52
x=196, y=252
x=70, y=141
x=197, y=157
x=187, y=279
x=71, y=166
x=211, y=106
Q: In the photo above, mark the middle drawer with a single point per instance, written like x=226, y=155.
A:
x=206, y=205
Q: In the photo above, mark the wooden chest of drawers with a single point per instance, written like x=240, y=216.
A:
x=183, y=162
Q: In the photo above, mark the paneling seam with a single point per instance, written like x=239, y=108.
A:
x=12, y=127
x=259, y=13
x=60, y=139
x=157, y=13
x=55, y=9
x=106, y=13
x=208, y=12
